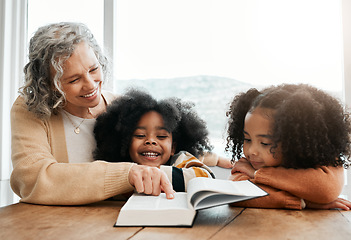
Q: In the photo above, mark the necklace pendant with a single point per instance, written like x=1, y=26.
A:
x=77, y=130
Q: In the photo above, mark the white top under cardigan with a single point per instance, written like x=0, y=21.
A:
x=79, y=146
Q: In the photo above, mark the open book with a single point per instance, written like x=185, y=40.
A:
x=145, y=210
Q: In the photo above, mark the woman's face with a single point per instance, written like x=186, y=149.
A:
x=81, y=80
x=258, y=139
x=151, y=143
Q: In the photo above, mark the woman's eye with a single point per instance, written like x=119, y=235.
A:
x=94, y=69
x=74, y=80
x=266, y=144
x=247, y=140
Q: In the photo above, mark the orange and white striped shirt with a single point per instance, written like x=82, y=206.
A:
x=184, y=166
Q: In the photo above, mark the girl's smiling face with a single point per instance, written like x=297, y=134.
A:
x=258, y=139
x=151, y=143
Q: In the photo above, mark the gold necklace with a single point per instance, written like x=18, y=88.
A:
x=76, y=128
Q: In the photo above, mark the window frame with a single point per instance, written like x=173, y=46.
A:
x=346, y=28
x=13, y=48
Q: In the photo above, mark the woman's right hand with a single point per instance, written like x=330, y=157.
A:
x=150, y=180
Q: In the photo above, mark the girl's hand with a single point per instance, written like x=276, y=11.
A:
x=150, y=180
x=224, y=162
x=244, y=166
x=237, y=176
x=338, y=203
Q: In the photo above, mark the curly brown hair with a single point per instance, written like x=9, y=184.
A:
x=114, y=129
x=311, y=126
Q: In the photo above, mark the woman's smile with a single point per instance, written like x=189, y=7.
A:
x=91, y=95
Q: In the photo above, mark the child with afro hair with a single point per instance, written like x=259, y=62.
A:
x=293, y=141
x=166, y=134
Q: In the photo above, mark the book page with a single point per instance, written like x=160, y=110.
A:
x=221, y=173
x=206, y=192
x=147, y=202
x=209, y=199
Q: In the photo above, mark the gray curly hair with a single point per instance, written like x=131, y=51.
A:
x=51, y=46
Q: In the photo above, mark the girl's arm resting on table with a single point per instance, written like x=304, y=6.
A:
x=318, y=185
x=281, y=199
x=275, y=199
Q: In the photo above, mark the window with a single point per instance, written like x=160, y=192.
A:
x=206, y=51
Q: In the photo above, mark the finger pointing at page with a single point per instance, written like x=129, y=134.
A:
x=166, y=186
x=150, y=180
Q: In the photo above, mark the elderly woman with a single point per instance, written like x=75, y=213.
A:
x=52, y=125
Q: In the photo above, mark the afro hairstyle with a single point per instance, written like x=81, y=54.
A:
x=114, y=128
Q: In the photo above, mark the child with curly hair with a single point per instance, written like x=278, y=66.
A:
x=166, y=134
x=295, y=140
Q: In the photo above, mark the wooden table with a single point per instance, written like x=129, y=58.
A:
x=95, y=221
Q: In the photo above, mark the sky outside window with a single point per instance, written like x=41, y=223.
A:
x=260, y=42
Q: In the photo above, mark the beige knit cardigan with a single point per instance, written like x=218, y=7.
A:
x=41, y=172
